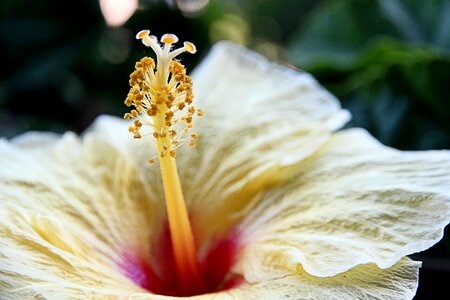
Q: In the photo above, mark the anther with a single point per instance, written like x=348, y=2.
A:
x=160, y=90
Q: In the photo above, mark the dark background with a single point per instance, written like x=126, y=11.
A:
x=387, y=60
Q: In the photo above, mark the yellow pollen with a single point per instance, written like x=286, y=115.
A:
x=160, y=97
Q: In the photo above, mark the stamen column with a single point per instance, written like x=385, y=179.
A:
x=156, y=102
x=184, y=248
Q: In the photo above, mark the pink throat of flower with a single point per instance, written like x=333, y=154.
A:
x=158, y=274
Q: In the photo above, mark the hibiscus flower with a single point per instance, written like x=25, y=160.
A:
x=273, y=202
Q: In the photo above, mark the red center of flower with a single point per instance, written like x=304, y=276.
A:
x=158, y=273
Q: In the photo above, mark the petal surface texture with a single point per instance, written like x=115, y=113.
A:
x=363, y=282
x=261, y=118
x=353, y=202
x=69, y=209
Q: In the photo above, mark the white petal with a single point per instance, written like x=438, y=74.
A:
x=35, y=139
x=46, y=256
x=260, y=118
x=70, y=207
x=353, y=202
x=363, y=282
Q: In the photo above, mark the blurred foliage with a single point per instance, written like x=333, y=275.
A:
x=62, y=66
x=388, y=61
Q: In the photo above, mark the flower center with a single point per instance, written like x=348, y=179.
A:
x=157, y=272
x=161, y=96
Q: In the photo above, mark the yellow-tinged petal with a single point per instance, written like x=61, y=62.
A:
x=398, y=282
x=69, y=208
x=50, y=257
x=353, y=202
x=261, y=118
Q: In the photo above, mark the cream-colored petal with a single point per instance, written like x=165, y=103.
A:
x=353, y=202
x=70, y=208
x=36, y=139
x=398, y=282
x=49, y=257
x=260, y=118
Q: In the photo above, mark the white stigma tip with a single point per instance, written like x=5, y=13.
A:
x=190, y=47
x=169, y=38
x=142, y=34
